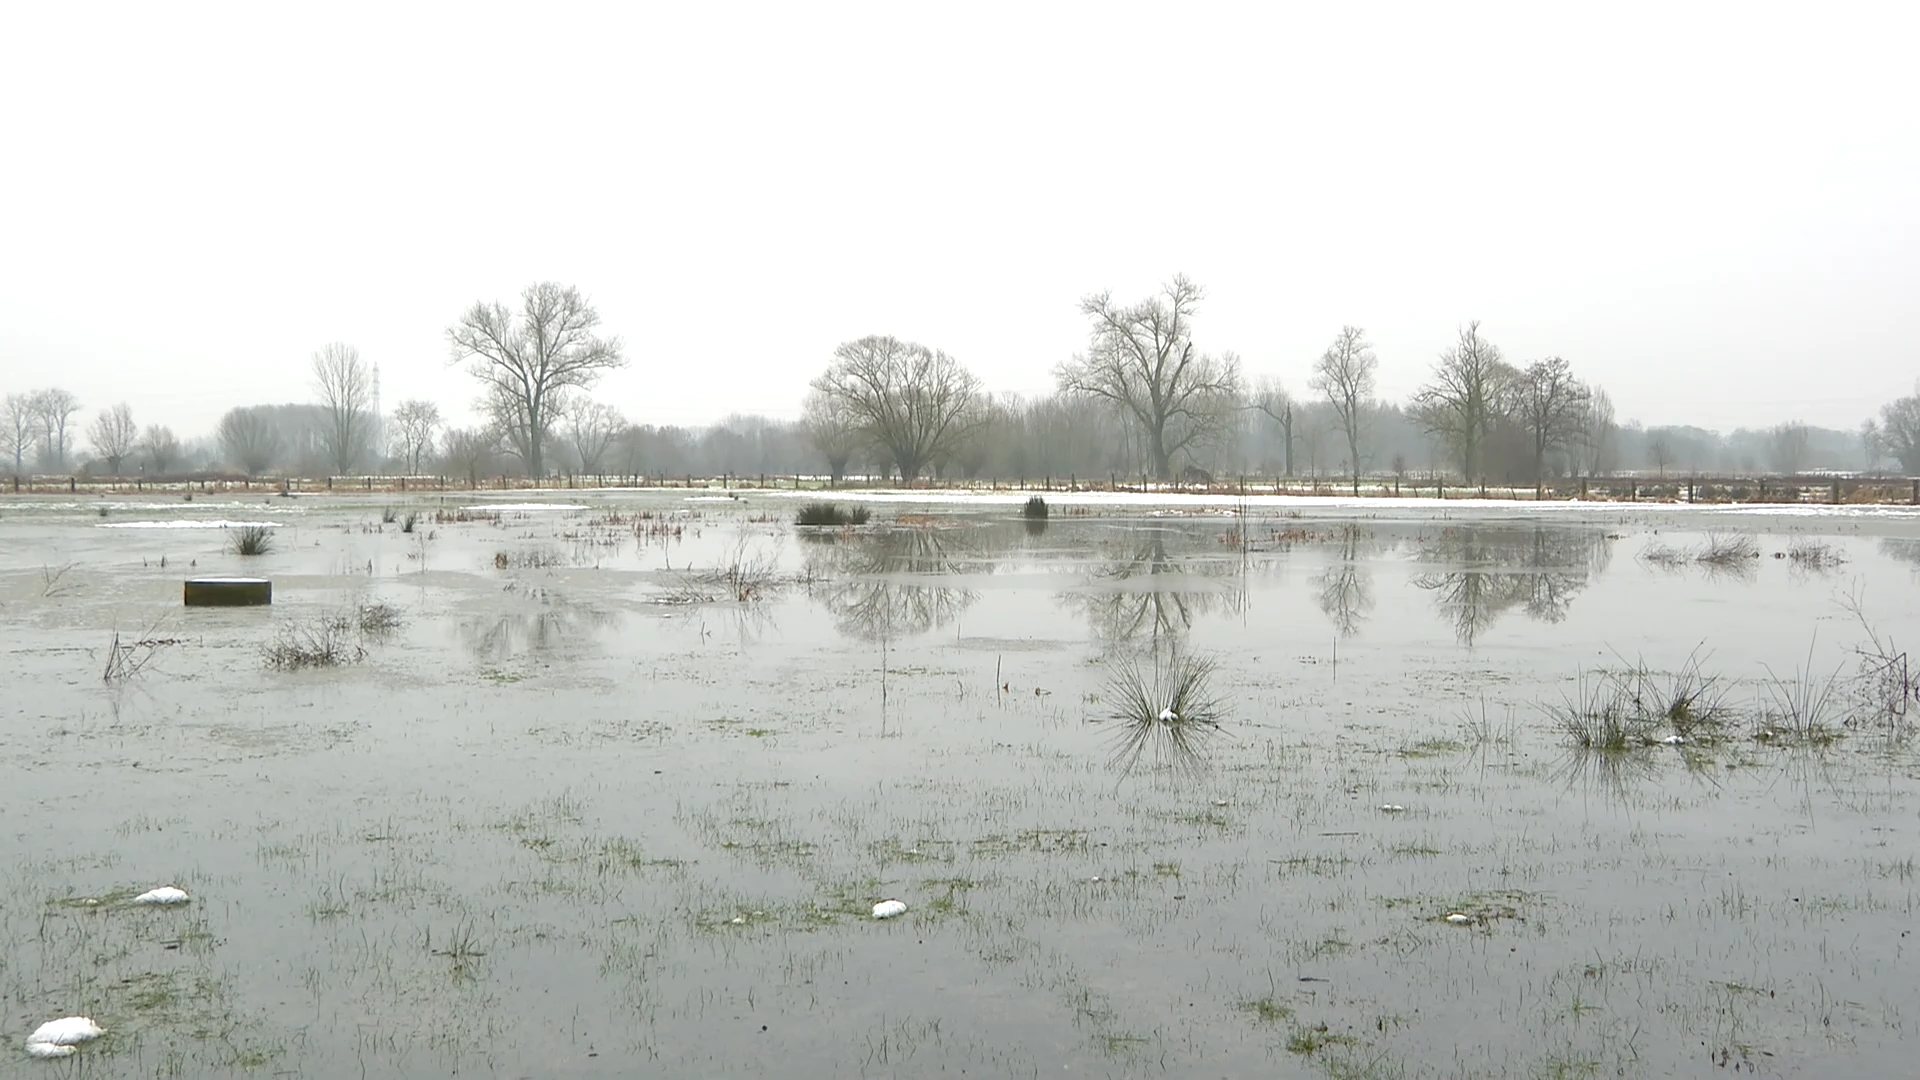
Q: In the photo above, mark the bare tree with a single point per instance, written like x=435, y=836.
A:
x=55, y=409
x=344, y=384
x=592, y=427
x=831, y=425
x=1467, y=396
x=113, y=434
x=249, y=439
x=1597, y=429
x=1272, y=398
x=1143, y=361
x=526, y=359
x=1345, y=375
x=414, y=424
x=912, y=403
x=1871, y=445
x=1552, y=405
x=468, y=452
x=1787, y=446
x=161, y=447
x=1900, y=431
x=1660, y=451
x=21, y=420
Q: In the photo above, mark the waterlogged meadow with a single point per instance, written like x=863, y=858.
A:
x=609, y=785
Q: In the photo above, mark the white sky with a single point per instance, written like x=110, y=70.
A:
x=1711, y=209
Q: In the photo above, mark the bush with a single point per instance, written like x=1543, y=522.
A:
x=251, y=540
x=326, y=641
x=822, y=513
x=1036, y=509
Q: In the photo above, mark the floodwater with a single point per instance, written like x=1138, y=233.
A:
x=597, y=807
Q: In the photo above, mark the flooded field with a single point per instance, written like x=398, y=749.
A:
x=609, y=784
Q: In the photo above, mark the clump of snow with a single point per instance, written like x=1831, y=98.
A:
x=58, y=1038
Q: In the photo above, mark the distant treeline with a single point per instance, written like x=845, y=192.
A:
x=1142, y=400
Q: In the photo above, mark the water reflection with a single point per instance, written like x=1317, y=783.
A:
x=1344, y=590
x=1904, y=549
x=1491, y=570
x=544, y=622
x=1146, y=594
x=882, y=585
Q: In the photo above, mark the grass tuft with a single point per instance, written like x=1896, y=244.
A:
x=1167, y=711
x=251, y=540
x=1036, y=509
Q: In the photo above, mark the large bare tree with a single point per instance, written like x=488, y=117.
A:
x=527, y=358
x=1552, y=405
x=1344, y=374
x=113, y=434
x=161, y=447
x=830, y=425
x=414, y=424
x=249, y=438
x=1467, y=396
x=21, y=420
x=55, y=409
x=344, y=384
x=1900, y=431
x=1143, y=361
x=592, y=427
x=914, y=404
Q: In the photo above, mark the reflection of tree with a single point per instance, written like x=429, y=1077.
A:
x=1346, y=587
x=1491, y=570
x=1904, y=548
x=880, y=585
x=545, y=625
x=1147, y=592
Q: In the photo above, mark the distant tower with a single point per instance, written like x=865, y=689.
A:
x=376, y=392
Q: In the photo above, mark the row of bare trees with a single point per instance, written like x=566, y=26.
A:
x=36, y=427
x=1143, y=397
x=917, y=407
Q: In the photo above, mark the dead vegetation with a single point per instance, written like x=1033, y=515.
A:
x=129, y=657
x=747, y=574
x=1735, y=552
x=332, y=639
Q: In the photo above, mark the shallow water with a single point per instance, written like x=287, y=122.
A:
x=587, y=813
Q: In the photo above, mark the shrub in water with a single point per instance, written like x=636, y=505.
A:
x=1036, y=508
x=822, y=513
x=251, y=540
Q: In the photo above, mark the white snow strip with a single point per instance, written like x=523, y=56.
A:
x=188, y=524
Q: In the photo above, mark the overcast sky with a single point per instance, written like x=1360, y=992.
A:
x=1711, y=209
